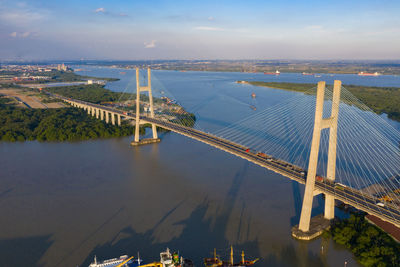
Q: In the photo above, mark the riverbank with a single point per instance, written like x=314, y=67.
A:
x=65, y=124
x=370, y=245
x=379, y=99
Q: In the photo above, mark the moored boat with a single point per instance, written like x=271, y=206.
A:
x=216, y=261
x=168, y=259
x=368, y=74
x=123, y=260
x=273, y=73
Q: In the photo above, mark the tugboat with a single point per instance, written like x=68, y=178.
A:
x=216, y=261
x=170, y=260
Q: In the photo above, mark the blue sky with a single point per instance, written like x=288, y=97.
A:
x=161, y=29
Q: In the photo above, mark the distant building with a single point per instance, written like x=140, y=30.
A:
x=61, y=67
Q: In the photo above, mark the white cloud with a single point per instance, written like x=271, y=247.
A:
x=211, y=18
x=206, y=28
x=152, y=44
x=20, y=34
x=25, y=34
x=100, y=10
x=20, y=17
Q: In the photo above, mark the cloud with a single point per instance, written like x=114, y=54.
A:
x=211, y=18
x=100, y=10
x=25, y=34
x=152, y=44
x=206, y=28
x=21, y=17
x=20, y=34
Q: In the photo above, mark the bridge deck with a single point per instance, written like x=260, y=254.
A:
x=347, y=195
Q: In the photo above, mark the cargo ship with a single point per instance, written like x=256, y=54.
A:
x=368, y=74
x=273, y=73
x=216, y=261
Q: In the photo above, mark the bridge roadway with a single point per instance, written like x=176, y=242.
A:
x=348, y=195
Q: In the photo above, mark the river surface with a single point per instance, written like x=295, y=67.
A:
x=63, y=203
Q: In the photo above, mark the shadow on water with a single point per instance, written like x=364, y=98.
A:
x=201, y=235
x=25, y=251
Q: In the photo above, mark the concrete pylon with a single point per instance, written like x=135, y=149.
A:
x=112, y=118
x=97, y=113
x=88, y=110
x=319, y=124
x=107, y=116
x=119, y=119
x=137, y=125
x=101, y=114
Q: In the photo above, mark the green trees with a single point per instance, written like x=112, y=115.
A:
x=370, y=245
x=66, y=124
x=93, y=93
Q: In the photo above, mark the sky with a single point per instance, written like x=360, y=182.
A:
x=218, y=29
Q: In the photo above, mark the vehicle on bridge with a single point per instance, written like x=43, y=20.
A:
x=340, y=186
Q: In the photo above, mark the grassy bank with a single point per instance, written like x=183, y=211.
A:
x=379, y=99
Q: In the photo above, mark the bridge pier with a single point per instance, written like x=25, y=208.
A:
x=101, y=114
x=88, y=110
x=139, y=89
x=107, y=116
x=119, y=119
x=112, y=118
x=97, y=113
x=310, y=228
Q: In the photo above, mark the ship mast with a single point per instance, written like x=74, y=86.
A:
x=231, y=255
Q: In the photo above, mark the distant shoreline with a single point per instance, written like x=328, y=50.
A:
x=379, y=99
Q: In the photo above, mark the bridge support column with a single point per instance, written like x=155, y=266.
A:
x=119, y=119
x=107, y=116
x=319, y=223
x=101, y=114
x=88, y=110
x=93, y=111
x=97, y=113
x=112, y=118
x=139, y=89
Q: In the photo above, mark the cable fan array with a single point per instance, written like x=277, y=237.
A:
x=368, y=153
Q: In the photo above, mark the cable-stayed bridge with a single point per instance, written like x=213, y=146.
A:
x=324, y=138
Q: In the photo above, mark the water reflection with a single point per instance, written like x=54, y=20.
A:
x=66, y=202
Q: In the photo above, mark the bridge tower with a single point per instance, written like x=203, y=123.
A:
x=140, y=89
x=319, y=223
